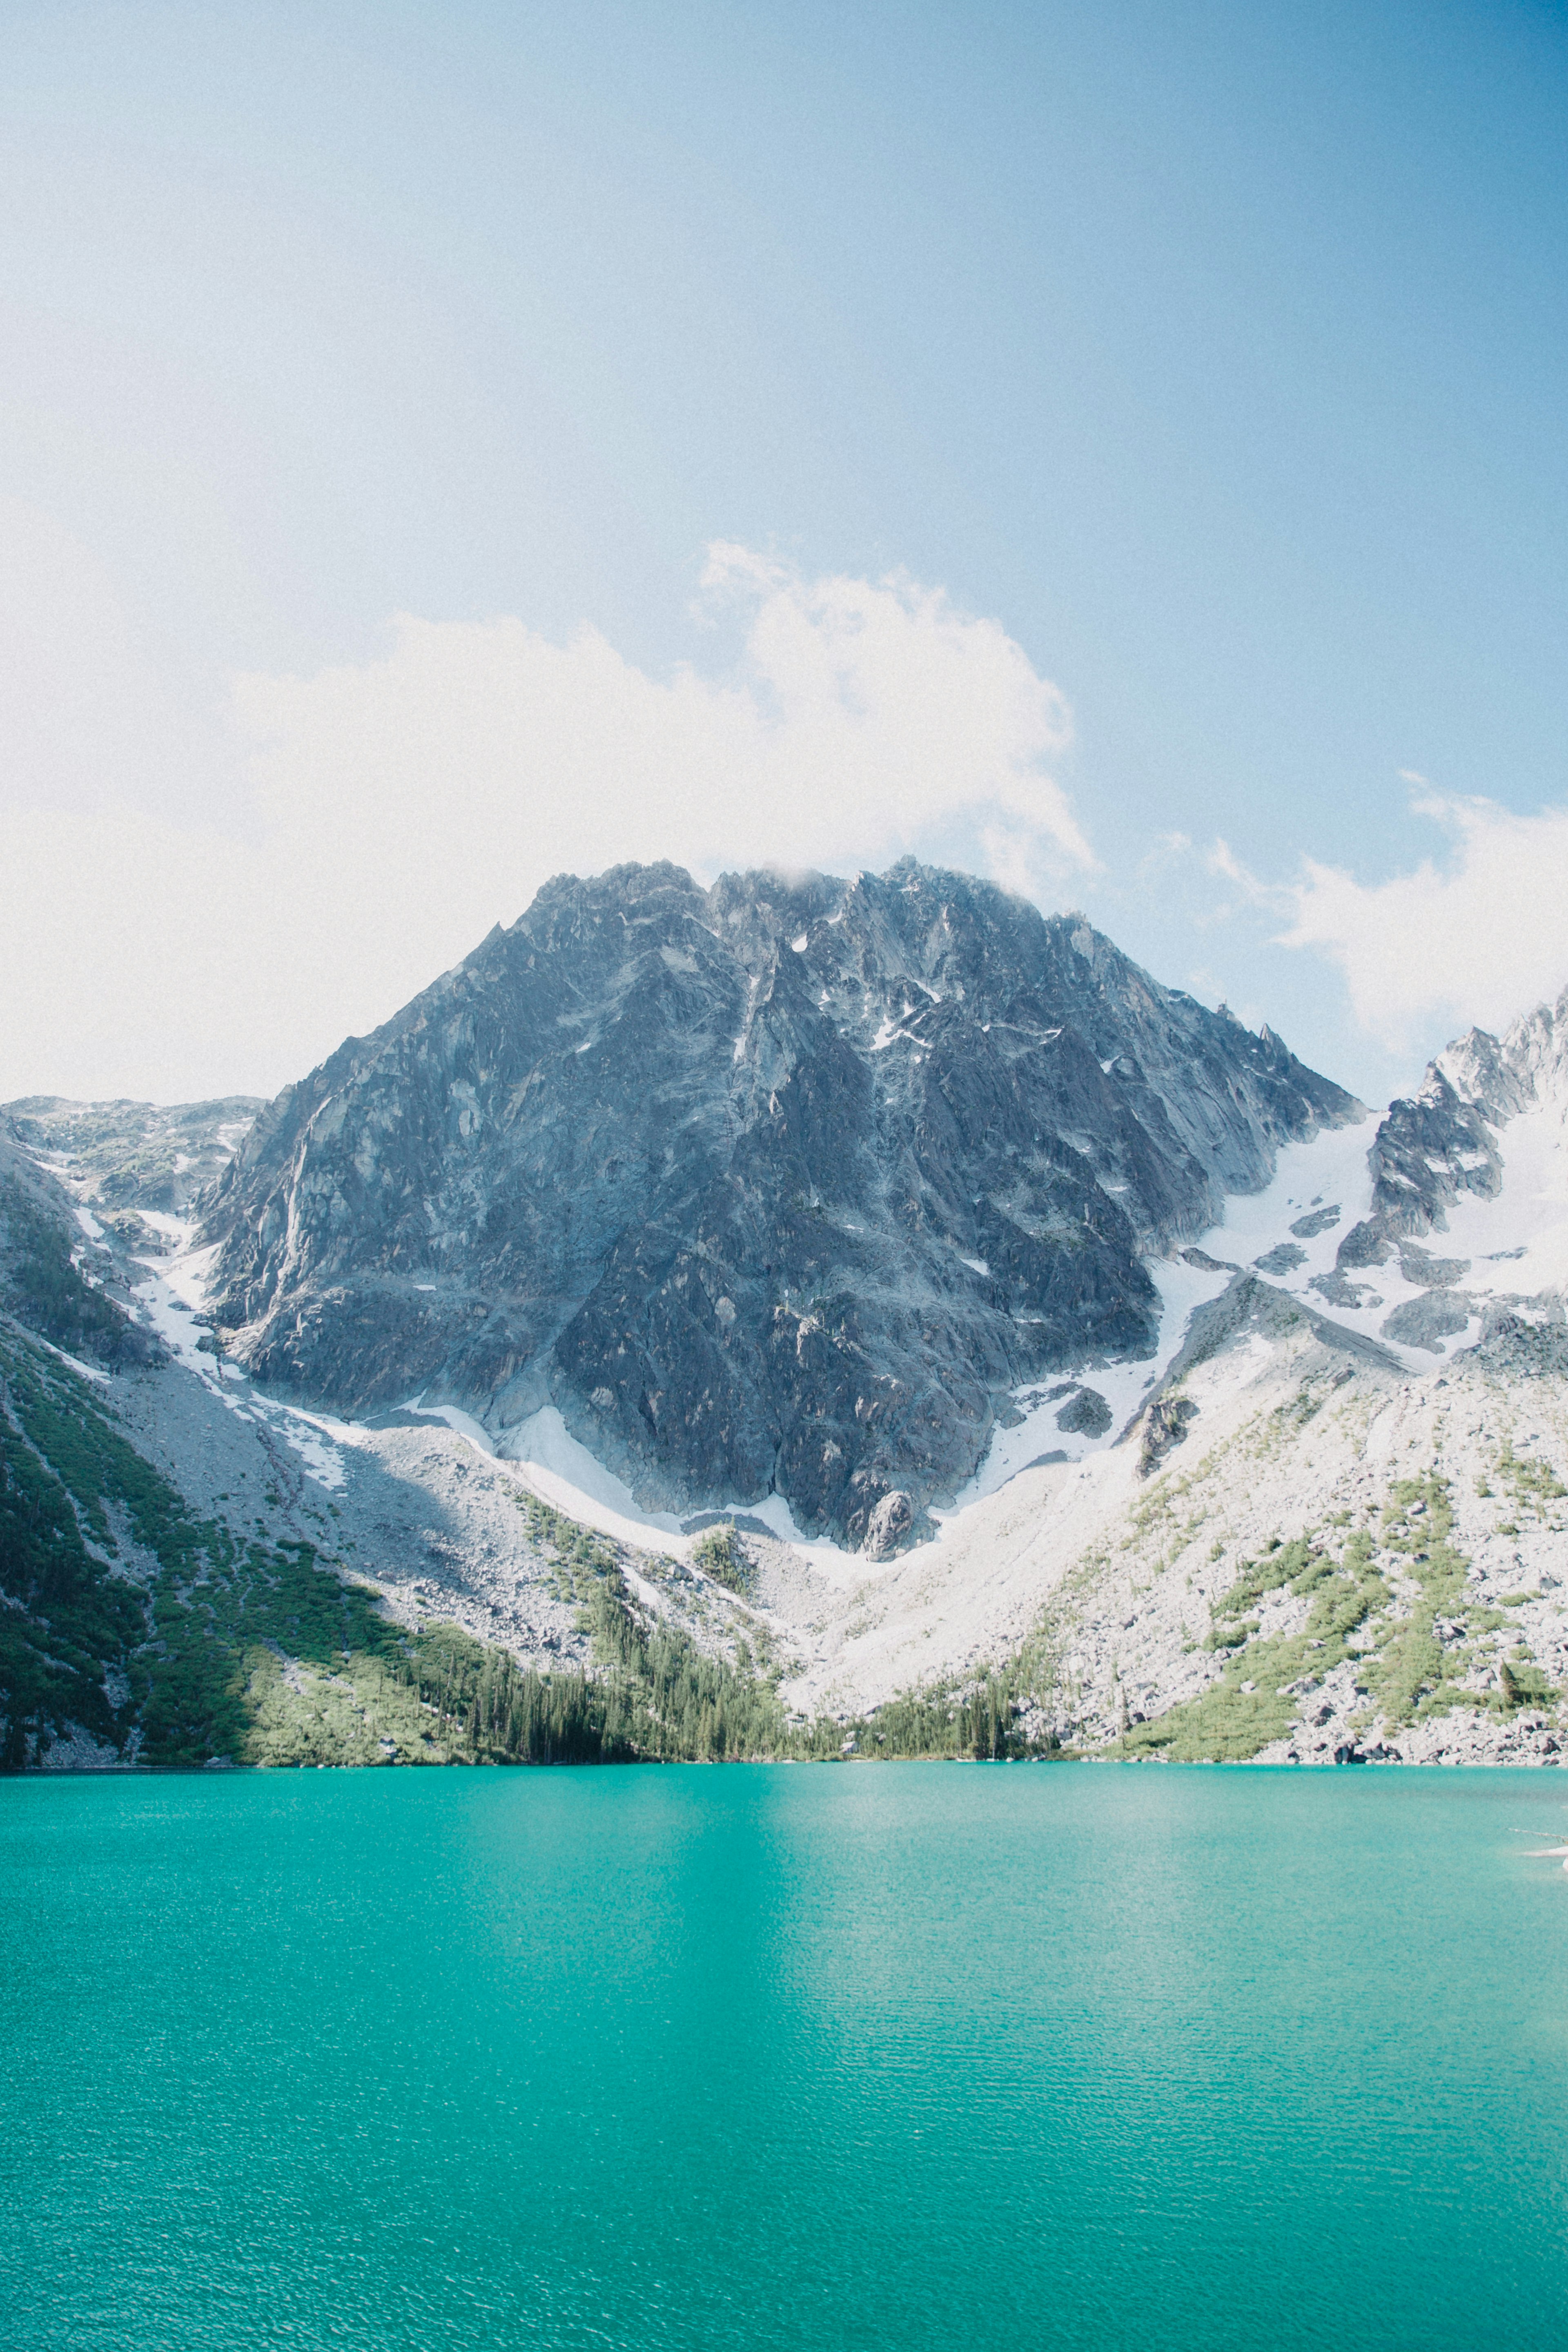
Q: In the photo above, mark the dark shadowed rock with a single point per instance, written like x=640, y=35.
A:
x=1283, y=1259
x=1165, y=1426
x=1428, y=1321
x=1419, y=1265
x=1089, y=1415
x=1341, y=1291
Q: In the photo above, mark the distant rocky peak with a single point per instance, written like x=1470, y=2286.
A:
x=1483, y=1072
x=1536, y=1050
x=1449, y=1139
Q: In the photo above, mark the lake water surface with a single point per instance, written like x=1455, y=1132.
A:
x=1084, y=2055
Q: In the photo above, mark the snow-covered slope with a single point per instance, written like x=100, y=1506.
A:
x=1336, y=1522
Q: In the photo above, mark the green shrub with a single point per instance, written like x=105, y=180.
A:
x=717, y=1552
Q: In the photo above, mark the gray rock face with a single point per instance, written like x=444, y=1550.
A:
x=1283, y=1259
x=126, y=1156
x=778, y=1186
x=1088, y=1414
x=890, y=1525
x=50, y=1280
x=1250, y=1305
x=1341, y=1291
x=1427, y=1321
x=1429, y=1150
x=1441, y=1143
x=1166, y=1426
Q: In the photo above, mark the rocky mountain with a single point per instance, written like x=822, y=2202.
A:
x=779, y=1188
x=1321, y=1516
x=41, y=1285
x=190, y=1574
x=1440, y=1146
x=127, y=1157
x=1438, y=1159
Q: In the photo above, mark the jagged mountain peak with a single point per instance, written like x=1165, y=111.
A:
x=778, y=1186
x=1502, y=1077
x=1442, y=1144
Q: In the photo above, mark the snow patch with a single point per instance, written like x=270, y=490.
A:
x=88, y=1371
x=1123, y=1386
x=174, y=1293
x=544, y=1456
x=1517, y=1243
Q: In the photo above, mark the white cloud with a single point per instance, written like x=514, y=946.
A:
x=406, y=804
x=1476, y=939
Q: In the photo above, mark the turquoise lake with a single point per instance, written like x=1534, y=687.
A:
x=1080, y=2056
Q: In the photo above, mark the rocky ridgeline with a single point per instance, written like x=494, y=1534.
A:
x=124, y=1156
x=1436, y=1147
x=775, y=1187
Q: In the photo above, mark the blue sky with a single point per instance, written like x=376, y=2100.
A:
x=1216, y=354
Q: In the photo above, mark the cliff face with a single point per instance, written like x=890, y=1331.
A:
x=779, y=1186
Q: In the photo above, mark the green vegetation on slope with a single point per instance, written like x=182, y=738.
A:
x=1533, y=1488
x=43, y=1287
x=718, y=1554
x=1413, y=1651
x=64, y=1620
x=437, y=1697
x=980, y=1720
x=216, y=1644
x=1415, y=1673
x=1252, y=1704
x=175, y=1640
x=124, y=1613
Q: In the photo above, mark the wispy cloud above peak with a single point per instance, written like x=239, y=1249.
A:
x=861, y=717
x=405, y=804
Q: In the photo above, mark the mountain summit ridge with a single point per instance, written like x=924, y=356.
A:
x=776, y=1187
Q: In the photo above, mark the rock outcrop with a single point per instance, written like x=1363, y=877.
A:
x=43, y=1284
x=124, y=1156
